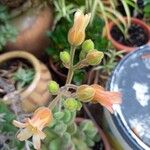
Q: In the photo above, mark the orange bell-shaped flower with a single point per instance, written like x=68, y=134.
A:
x=76, y=34
x=106, y=98
x=34, y=126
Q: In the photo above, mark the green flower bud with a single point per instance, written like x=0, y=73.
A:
x=85, y=93
x=79, y=105
x=71, y=104
x=53, y=87
x=65, y=57
x=87, y=45
x=94, y=57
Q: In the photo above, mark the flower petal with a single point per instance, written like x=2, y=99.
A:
x=41, y=134
x=19, y=124
x=25, y=134
x=106, y=98
x=77, y=15
x=87, y=18
x=36, y=141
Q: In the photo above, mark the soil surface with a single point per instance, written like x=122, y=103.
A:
x=137, y=36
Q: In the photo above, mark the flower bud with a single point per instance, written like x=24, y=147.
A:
x=65, y=57
x=53, y=87
x=76, y=34
x=79, y=106
x=71, y=104
x=87, y=45
x=94, y=57
x=85, y=93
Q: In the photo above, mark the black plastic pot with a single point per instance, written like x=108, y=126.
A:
x=128, y=128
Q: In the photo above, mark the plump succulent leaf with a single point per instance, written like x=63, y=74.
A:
x=60, y=128
x=50, y=135
x=90, y=142
x=58, y=115
x=67, y=116
x=55, y=144
x=66, y=139
x=72, y=128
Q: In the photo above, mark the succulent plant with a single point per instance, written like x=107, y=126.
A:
x=65, y=133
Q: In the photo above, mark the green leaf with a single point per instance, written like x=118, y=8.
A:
x=66, y=139
x=8, y=117
x=72, y=128
x=67, y=116
x=58, y=115
x=50, y=135
x=89, y=142
x=55, y=144
x=91, y=133
x=86, y=125
x=23, y=77
x=80, y=145
x=147, y=8
x=60, y=128
x=97, y=138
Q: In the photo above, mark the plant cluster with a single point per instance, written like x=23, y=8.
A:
x=7, y=130
x=65, y=134
x=59, y=116
x=23, y=77
x=63, y=9
x=18, y=73
x=108, y=11
x=110, y=61
x=7, y=31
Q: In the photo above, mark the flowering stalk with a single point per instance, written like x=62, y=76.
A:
x=71, y=95
x=71, y=69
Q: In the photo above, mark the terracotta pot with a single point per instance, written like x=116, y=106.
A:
x=101, y=133
x=120, y=46
x=32, y=26
x=36, y=94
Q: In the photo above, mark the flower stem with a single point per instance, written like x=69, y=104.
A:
x=53, y=103
x=71, y=69
x=68, y=81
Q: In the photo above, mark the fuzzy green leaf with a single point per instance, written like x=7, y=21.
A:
x=72, y=128
x=67, y=116
x=60, y=128
x=89, y=142
x=55, y=144
x=58, y=115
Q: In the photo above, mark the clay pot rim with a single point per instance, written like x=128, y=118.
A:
x=33, y=60
x=100, y=131
x=120, y=46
